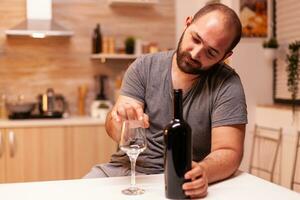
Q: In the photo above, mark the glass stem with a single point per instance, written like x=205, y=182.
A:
x=133, y=162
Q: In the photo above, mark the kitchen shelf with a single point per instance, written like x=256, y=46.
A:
x=133, y=2
x=103, y=57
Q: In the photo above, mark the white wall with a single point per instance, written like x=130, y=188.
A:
x=248, y=60
x=256, y=77
x=184, y=9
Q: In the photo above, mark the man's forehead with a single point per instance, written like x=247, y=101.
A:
x=213, y=19
x=213, y=30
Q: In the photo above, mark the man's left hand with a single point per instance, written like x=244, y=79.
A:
x=198, y=185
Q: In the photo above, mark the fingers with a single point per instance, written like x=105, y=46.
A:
x=194, y=164
x=146, y=121
x=195, y=172
x=115, y=115
x=198, y=185
x=130, y=112
x=139, y=112
x=196, y=188
x=198, y=193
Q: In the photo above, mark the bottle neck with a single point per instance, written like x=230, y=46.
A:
x=178, y=108
x=98, y=29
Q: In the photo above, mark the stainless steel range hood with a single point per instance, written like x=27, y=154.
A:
x=39, y=22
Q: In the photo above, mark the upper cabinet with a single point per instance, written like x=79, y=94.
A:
x=133, y=2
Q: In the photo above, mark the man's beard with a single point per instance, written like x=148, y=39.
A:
x=186, y=63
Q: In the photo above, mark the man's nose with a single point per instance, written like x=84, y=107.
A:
x=196, y=52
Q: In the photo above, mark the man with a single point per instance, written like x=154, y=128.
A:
x=214, y=101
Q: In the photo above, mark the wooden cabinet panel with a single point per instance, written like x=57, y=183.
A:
x=35, y=154
x=2, y=156
x=52, y=156
x=89, y=145
x=107, y=146
x=52, y=153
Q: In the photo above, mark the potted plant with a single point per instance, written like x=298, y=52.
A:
x=129, y=45
x=293, y=70
x=270, y=48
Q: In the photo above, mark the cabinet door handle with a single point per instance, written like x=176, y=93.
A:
x=11, y=138
x=1, y=144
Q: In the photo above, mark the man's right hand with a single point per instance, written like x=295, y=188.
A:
x=126, y=108
x=129, y=111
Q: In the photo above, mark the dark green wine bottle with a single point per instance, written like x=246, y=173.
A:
x=178, y=151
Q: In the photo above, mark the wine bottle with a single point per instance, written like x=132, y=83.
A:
x=97, y=40
x=178, y=151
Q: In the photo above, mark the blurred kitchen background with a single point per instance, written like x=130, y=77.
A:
x=70, y=79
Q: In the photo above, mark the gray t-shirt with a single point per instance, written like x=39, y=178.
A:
x=216, y=99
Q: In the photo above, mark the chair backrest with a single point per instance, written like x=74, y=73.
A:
x=296, y=173
x=264, y=153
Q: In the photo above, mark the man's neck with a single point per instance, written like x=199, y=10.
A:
x=180, y=79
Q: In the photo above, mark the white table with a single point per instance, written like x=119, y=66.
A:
x=242, y=186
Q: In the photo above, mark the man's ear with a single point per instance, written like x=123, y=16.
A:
x=188, y=21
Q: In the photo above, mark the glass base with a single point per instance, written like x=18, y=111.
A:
x=133, y=191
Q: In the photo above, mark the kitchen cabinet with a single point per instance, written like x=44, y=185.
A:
x=40, y=151
x=33, y=154
x=88, y=145
x=2, y=158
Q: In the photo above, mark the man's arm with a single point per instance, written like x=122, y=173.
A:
x=225, y=157
x=226, y=153
x=126, y=108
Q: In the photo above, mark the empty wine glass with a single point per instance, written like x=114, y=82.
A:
x=133, y=142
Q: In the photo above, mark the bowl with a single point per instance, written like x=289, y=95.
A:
x=15, y=108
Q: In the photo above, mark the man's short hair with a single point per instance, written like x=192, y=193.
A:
x=230, y=16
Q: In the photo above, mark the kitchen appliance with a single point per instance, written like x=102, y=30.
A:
x=51, y=104
x=20, y=109
x=39, y=22
x=101, y=105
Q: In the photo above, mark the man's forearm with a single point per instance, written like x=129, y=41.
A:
x=113, y=128
x=221, y=164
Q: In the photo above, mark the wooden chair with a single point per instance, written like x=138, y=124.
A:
x=294, y=173
x=264, y=153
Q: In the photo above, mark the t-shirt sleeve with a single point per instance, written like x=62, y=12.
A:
x=133, y=84
x=230, y=105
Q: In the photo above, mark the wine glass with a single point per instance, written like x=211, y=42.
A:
x=133, y=142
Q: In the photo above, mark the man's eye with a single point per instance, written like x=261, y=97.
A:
x=211, y=54
x=196, y=40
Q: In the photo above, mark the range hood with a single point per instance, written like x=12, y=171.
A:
x=39, y=22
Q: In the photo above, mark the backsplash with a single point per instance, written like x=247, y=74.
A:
x=29, y=66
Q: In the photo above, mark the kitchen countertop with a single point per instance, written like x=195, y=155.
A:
x=86, y=120
x=242, y=186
